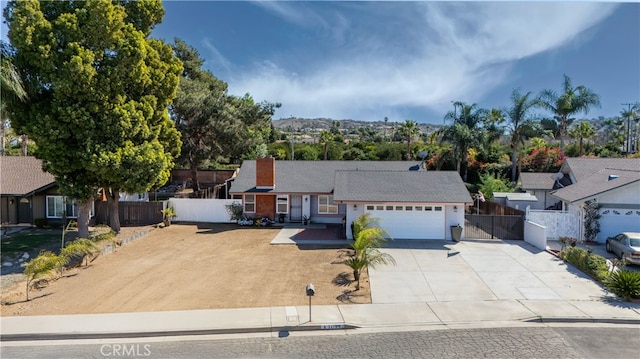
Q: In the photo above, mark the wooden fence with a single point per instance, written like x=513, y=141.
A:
x=131, y=213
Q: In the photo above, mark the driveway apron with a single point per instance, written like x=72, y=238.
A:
x=440, y=271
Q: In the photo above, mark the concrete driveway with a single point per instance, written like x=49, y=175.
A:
x=474, y=270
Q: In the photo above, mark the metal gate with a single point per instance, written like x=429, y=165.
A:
x=489, y=226
x=296, y=209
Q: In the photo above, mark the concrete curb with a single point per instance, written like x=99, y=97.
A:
x=170, y=333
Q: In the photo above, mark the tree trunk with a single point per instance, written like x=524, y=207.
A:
x=2, y=138
x=114, y=217
x=194, y=177
x=326, y=145
x=464, y=165
x=356, y=276
x=580, y=150
x=514, y=164
x=24, y=144
x=84, y=214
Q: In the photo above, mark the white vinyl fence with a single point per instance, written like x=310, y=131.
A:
x=557, y=223
x=202, y=210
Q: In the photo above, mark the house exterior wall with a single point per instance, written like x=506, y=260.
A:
x=626, y=195
x=544, y=199
x=325, y=217
x=266, y=206
x=39, y=206
x=453, y=217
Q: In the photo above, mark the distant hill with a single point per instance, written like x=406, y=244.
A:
x=319, y=124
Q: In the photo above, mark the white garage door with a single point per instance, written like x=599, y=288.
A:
x=410, y=221
x=616, y=220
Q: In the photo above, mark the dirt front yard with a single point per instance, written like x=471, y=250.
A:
x=185, y=267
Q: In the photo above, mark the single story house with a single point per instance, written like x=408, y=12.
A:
x=411, y=204
x=540, y=184
x=614, y=183
x=27, y=192
x=517, y=200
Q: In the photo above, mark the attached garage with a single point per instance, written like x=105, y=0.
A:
x=617, y=220
x=410, y=204
x=410, y=221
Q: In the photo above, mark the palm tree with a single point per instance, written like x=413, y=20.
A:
x=368, y=237
x=518, y=120
x=386, y=120
x=325, y=138
x=581, y=132
x=570, y=102
x=409, y=129
x=10, y=86
x=463, y=132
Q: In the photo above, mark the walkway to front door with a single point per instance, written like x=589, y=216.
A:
x=310, y=234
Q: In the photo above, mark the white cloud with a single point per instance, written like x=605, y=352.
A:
x=442, y=52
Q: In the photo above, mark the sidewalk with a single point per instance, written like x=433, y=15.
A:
x=326, y=317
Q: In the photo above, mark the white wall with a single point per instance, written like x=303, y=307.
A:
x=535, y=235
x=626, y=195
x=453, y=218
x=202, y=210
x=352, y=214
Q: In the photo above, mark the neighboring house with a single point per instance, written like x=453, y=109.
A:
x=411, y=204
x=613, y=183
x=540, y=184
x=27, y=192
x=517, y=200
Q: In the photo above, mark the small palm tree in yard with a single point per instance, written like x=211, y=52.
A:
x=45, y=263
x=80, y=248
x=368, y=238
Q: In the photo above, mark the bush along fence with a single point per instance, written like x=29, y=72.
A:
x=622, y=282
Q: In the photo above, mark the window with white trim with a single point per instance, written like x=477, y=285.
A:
x=282, y=203
x=56, y=206
x=326, y=205
x=250, y=203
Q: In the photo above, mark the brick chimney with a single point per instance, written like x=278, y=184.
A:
x=266, y=173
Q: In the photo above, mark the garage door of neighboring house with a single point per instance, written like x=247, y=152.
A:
x=616, y=220
x=410, y=221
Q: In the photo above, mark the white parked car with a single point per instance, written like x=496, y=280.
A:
x=626, y=245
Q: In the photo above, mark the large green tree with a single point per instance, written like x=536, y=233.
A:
x=215, y=126
x=582, y=131
x=464, y=132
x=98, y=91
x=409, y=129
x=570, y=102
x=518, y=116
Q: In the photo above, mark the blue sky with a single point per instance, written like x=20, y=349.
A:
x=410, y=60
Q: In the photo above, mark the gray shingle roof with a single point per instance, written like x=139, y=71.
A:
x=400, y=186
x=598, y=183
x=308, y=176
x=21, y=175
x=537, y=180
x=585, y=167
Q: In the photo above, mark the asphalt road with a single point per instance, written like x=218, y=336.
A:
x=530, y=342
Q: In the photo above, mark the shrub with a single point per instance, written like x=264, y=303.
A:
x=592, y=264
x=40, y=222
x=624, y=283
x=235, y=210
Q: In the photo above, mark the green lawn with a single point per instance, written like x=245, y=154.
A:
x=27, y=242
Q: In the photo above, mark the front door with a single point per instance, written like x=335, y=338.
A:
x=296, y=209
x=24, y=210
